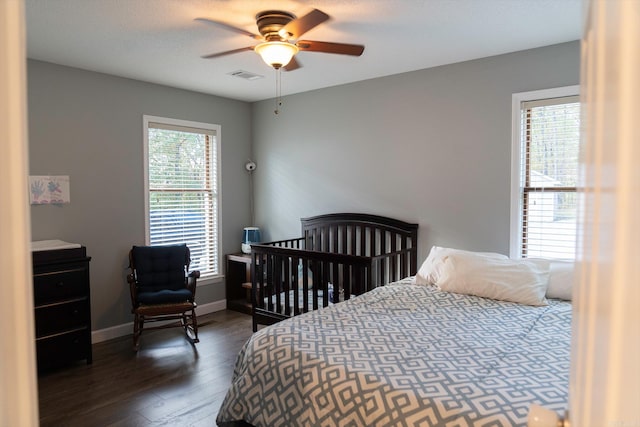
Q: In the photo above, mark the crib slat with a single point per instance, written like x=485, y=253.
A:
x=353, y=236
x=393, y=266
x=306, y=267
x=403, y=258
x=336, y=281
x=286, y=285
x=317, y=284
x=383, y=263
x=268, y=289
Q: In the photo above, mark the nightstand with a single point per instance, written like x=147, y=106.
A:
x=238, y=282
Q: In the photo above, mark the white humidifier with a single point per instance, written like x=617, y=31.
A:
x=250, y=235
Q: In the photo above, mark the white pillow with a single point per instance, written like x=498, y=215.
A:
x=561, y=280
x=520, y=281
x=560, y=277
x=431, y=268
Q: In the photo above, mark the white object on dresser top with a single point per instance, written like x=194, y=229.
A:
x=49, y=245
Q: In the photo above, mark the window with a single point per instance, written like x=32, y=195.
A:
x=545, y=174
x=182, y=160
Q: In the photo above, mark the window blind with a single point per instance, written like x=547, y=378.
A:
x=182, y=187
x=550, y=137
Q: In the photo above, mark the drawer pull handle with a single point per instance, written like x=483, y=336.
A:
x=60, y=284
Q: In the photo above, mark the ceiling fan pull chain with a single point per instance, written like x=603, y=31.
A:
x=278, y=91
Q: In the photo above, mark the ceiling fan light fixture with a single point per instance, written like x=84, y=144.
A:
x=276, y=54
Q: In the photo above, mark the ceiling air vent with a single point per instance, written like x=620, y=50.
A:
x=246, y=75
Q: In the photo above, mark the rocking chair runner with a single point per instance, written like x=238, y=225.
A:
x=162, y=290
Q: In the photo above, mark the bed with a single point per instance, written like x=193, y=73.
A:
x=408, y=354
x=338, y=256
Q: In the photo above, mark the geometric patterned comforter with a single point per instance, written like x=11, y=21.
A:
x=404, y=355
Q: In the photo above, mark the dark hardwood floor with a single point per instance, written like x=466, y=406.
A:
x=168, y=382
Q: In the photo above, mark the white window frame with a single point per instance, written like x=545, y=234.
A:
x=516, y=151
x=217, y=129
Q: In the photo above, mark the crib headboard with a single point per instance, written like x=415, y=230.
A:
x=365, y=235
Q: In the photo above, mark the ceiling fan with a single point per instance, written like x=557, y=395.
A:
x=279, y=35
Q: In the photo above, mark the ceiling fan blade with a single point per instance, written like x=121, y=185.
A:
x=228, y=52
x=229, y=27
x=299, y=26
x=328, y=47
x=292, y=65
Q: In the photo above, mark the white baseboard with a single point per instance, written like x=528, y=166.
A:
x=127, y=328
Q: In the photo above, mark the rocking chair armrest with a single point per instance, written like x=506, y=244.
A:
x=131, y=279
x=191, y=281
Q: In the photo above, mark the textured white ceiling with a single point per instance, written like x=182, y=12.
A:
x=158, y=40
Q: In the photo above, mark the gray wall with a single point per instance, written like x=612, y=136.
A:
x=89, y=126
x=431, y=146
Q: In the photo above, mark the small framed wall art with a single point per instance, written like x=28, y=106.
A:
x=49, y=190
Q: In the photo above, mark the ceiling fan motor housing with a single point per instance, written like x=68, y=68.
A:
x=270, y=22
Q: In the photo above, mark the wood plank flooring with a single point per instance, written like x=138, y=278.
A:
x=168, y=382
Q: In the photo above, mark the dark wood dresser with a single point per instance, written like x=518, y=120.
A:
x=62, y=306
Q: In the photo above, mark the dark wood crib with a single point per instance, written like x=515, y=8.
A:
x=338, y=256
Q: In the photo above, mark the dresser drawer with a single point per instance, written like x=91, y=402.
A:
x=63, y=348
x=63, y=316
x=58, y=285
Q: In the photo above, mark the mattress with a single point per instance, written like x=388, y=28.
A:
x=404, y=355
